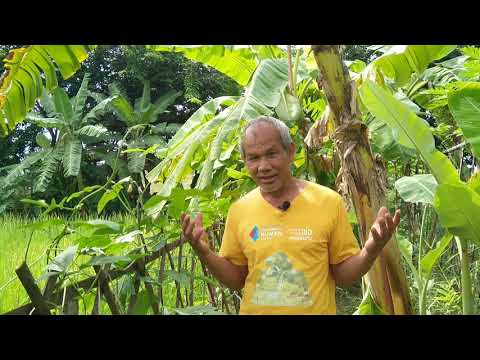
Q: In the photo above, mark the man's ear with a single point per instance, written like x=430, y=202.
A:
x=291, y=152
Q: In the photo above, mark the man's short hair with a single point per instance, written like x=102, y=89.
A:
x=283, y=131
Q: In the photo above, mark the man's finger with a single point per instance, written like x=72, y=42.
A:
x=396, y=218
x=189, y=231
x=383, y=226
x=185, y=223
x=199, y=220
x=381, y=212
x=197, y=233
x=389, y=221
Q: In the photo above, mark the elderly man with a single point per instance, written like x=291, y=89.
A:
x=288, y=242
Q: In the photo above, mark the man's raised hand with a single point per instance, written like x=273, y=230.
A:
x=193, y=231
x=382, y=230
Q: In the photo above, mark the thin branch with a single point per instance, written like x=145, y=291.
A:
x=455, y=147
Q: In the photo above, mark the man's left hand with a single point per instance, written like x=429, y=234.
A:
x=382, y=230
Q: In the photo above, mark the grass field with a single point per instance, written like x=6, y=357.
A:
x=14, y=239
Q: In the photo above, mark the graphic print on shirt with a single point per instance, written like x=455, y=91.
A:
x=280, y=284
x=255, y=233
x=265, y=232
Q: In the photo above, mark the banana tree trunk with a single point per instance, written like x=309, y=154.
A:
x=364, y=177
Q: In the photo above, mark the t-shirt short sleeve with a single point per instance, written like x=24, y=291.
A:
x=231, y=248
x=343, y=243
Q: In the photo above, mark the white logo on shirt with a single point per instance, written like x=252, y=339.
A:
x=300, y=234
x=268, y=233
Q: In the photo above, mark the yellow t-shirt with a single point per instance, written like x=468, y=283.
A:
x=288, y=252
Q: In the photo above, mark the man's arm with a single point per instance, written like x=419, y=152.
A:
x=231, y=275
x=352, y=269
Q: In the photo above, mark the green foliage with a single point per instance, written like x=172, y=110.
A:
x=464, y=104
x=21, y=83
x=417, y=188
x=237, y=62
x=400, y=61
x=263, y=93
x=458, y=208
x=368, y=306
x=408, y=129
x=433, y=256
x=196, y=167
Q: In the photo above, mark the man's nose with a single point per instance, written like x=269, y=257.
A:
x=264, y=165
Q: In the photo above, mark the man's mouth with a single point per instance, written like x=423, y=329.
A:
x=267, y=179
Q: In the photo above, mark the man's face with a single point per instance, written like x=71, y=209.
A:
x=265, y=158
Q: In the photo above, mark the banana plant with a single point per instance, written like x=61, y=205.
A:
x=457, y=203
x=364, y=179
x=199, y=132
x=21, y=83
x=141, y=117
x=420, y=189
x=239, y=62
x=399, y=62
x=73, y=129
x=212, y=126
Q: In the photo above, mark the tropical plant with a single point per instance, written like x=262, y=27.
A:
x=212, y=126
x=140, y=120
x=411, y=131
x=72, y=129
x=21, y=83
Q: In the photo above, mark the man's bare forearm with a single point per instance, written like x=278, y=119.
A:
x=231, y=275
x=352, y=269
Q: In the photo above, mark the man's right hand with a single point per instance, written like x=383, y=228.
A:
x=194, y=232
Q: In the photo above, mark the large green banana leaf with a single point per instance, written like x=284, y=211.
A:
x=21, y=83
x=408, y=129
x=237, y=62
x=400, y=61
x=417, y=188
x=78, y=102
x=464, y=105
x=50, y=161
x=458, y=208
x=72, y=157
x=261, y=96
x=457, y=205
